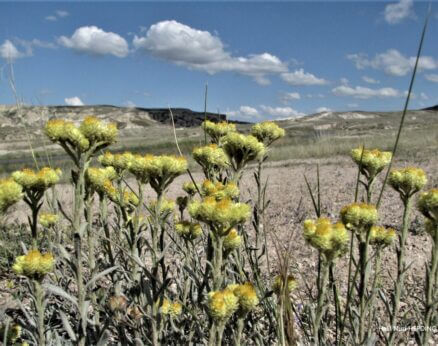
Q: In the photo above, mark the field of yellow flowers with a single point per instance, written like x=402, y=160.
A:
x=124, y=263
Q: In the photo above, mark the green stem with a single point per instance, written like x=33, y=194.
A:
x=39, y=304
x=374, y=289
x=401, y=270
x=240, y=325
x=217, y=261
x=321, y=306
x=364, y=276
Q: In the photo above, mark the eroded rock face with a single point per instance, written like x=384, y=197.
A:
x=36, y=116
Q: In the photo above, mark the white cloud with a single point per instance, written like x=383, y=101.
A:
x=395, y=13
x=365, y=93
x=370, y=80
x=352, y=105
x=62, y=13
x=287, y=97
x=323, y=109
x=245, y=112
x=432, y=77
x=51, y=18
x=73, y=101
x=299, y=77
x=424, y=96
x=392, y=62
x=9, y=51
x=280, y=112
x=95, y=41
x=200, y=50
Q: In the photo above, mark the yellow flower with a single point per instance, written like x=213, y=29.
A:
x=217, y=130
x=218, y=190
x=34, y=264
x=222, y=215
x=119, y=162
x=14, y=333
x=173, y=309
x=188, y=230
x=267, y=132
x=160, y=171
x=428, y=204
x=96, y=130
x=211, y=158
x=10, y=193
x=373, y=161
x=242, y=149
x=330, y=239
x=37, y=181
x=247, y=296
x=232, y=240
x=48, y=220
x=408, y=180
x=382, y=236
x=222, y=304
x=277, y=286
x=359, y=216
x=96, y=177
x=63, y=131
x=166, y=206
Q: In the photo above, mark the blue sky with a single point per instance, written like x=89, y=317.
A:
x=261, y=60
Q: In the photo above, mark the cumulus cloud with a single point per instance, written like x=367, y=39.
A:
x=424, y=96
x=280, y=112
x=73, y=101
x=395, y=13
x=392, y=62
x=344, y=81
x=432, y=77
x=95, y=41
x=200, y=50
x=370, y=80
x=9, y=51
x=323, y=109
x=291, y=96
x=365, y=93
x=299, y=77
x=246, y=112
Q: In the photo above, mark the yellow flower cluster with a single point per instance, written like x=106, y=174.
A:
x=428, y=204
x=232, y=240
x=217, y=130
x=188, y=230
x=246, y=294
x=267, y=132
x=98, y=177
x=63, y=131
x=359, y=216
x=96, y=130
x=119, y=162
x=39, y=181
x=91, y=130
x=173, y=309
x=222, y=304
x=211, y=157
x=158, y=170
x=189, y=188
x=408, y=180
x=222, y=215
x=218, y=190
x=278, y=287
x=330, y=239
x=373, y=161
x=10, y=193
x=382, y=236
x=48, y=220
x=166, y=206
x=242, y=148
x=34, y=264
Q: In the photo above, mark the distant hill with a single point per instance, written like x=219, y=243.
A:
x=433, y=108
x=125, y=117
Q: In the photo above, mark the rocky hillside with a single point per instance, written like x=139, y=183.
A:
x=35, y=116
